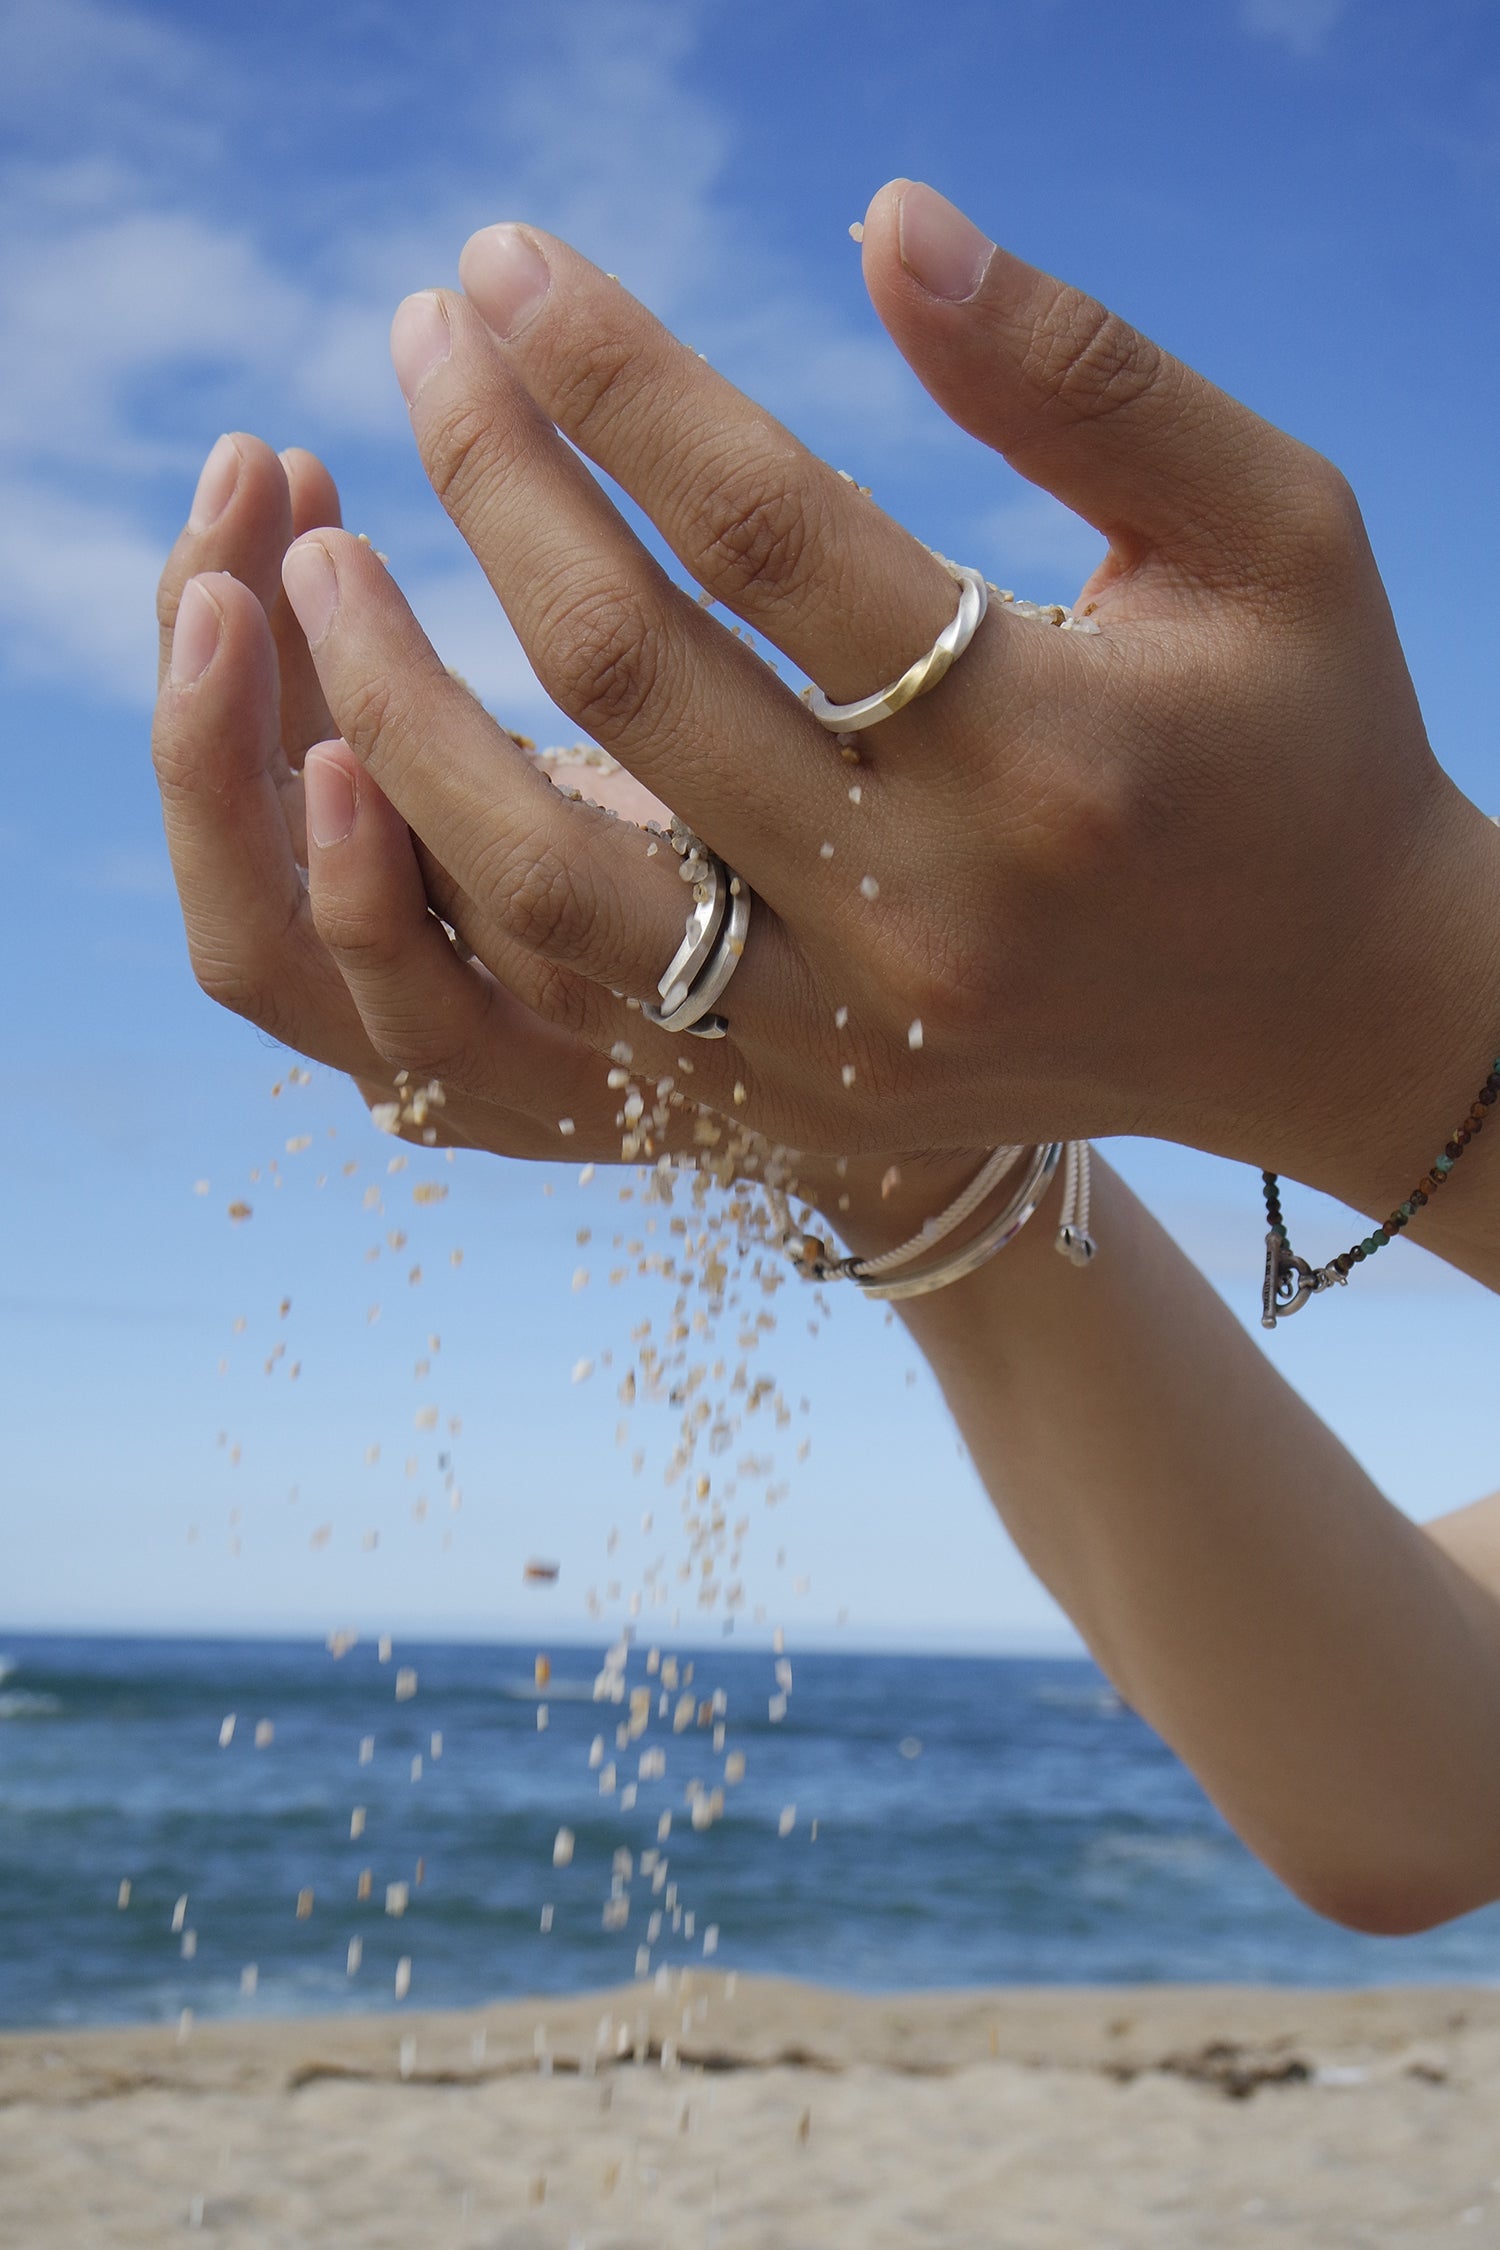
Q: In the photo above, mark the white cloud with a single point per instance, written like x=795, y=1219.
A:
x=77, y=594
x=145, y=302
x=75, y=72
x=92, y=315
x=616, y=150
x=1303, y=25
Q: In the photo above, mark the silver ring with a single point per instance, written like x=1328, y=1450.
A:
x=692, y=1012
x=703, y=926
x=850, y=718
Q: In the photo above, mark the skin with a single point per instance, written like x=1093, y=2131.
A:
x=1329, y=1670
x=1134, y=881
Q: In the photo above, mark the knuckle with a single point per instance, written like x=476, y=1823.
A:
x=428, y=1035
x=753, y=536
x=604, y=661
x=246, y=974
x=421, y=1048
x=235, y=984
x=1095, y=817
x=460, y=450
x=950, y=990
x=538, y=898
x=168, y=596
x=178, y=772
x=360, y=938
x=561, y=998
x=1088, y=359
x=594, y=384
x=1322, y=522
x=369, y=714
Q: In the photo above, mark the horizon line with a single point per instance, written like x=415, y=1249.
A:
x=819, y=1639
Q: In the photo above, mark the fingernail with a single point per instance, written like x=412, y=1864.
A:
x=216, y=482
x=943, y=251
x=421, y=340
x=507, y=277
x=195, y=635
x=328, y=789
x=312, y=587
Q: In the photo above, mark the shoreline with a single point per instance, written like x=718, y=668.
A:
x=723, y=2021
x=755, y=2114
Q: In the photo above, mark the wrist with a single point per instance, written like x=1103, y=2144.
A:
x=1421, y=1003
x=949, y=1219
x=874, y=1203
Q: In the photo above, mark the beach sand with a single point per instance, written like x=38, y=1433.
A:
x=756, y=2115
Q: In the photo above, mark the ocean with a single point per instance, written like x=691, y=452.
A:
x=901, y=1822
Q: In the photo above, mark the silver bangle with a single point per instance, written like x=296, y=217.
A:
x=811, y=1256
x=918, y=678
x=1002, y=1230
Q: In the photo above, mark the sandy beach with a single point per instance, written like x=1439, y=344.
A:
x=750, y=2114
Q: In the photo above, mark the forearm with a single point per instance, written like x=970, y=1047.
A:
x=1329, y=1673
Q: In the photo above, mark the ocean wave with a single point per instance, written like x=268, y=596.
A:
x=1176, y=1855
x=1102, y=1700
x=24, y=1706
x=8, y=1667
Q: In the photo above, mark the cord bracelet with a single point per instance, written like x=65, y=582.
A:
x=887, y=1276
x=1290, y=1280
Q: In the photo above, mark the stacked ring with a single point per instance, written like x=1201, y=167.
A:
x=918, y=678
x=699, y=971
x=703, y=927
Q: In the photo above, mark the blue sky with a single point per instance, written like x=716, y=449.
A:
x=208, y=221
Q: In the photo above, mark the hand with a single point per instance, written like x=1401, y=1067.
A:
x=306, y=901
x=1198, y=875
x=241, y=751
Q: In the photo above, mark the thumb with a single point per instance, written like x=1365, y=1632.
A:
x=1077, y=400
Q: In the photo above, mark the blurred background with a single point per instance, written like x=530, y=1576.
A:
x=209, y=217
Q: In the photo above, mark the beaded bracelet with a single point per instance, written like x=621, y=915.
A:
x=1290, y=1280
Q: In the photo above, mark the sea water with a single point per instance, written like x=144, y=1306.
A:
x=949, y=1821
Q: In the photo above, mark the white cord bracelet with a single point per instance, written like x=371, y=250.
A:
x=873, y=1276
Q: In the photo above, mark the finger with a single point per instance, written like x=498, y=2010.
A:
x=762, y=524
x=1076, y=399
x=554, y=884
x=638, y=664
x=240, y=521
x=215, y=746
x=305, y=716
x=426, y=1009
x=432, y=1013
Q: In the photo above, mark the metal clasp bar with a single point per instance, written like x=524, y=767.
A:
x=1289, y=1282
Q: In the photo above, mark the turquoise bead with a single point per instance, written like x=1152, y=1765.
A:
x=1442, y=1164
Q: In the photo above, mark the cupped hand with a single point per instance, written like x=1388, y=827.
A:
x=1196, y=874
x=318, y=929
x=309, y=906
